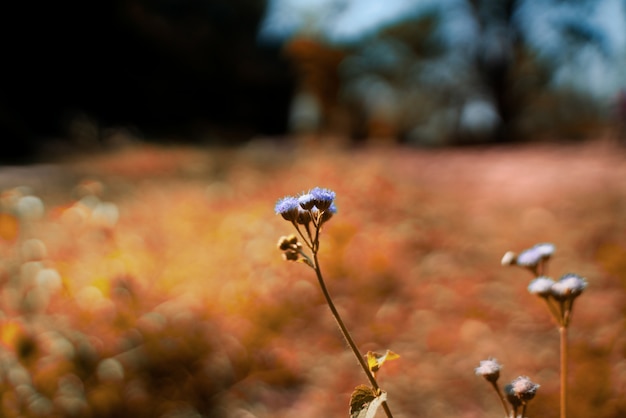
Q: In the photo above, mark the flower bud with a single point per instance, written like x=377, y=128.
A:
x=509, y=258
x=291, y=255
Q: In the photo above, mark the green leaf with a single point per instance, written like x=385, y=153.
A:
x=376, y=360
x=365, y=401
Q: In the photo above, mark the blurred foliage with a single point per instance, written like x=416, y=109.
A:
x=453, y=72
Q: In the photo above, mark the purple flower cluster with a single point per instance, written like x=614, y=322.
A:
x=317, y=204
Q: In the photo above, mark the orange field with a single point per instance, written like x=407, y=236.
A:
x=147, y=282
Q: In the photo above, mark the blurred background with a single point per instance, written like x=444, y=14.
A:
x=145, y=143
x=422, y=72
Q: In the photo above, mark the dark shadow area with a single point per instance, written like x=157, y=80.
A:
x=162, y=68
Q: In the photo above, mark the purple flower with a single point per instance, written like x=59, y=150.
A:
x=489, y=369
x=569, y=286
x=323, y=198
x=306, y=201
x=541, y=286
x=328, y=213
x=288, y=207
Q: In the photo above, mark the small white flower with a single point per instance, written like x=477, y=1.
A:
x=546, y=249
x=569, y=286
x=522, y=388
x=489, y=369
x=531, y=257
x=541, y=286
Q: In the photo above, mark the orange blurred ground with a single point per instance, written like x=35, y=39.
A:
x=150, y=285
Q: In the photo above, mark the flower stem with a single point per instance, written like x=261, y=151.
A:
x=346, y=333
x=563, y=339
x=507, y=413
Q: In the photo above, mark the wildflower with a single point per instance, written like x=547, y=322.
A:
x=288, y=207
x=521, y=389
x=546, y=249
x=533, y=256
x=304, y=216
x=328, y=213
x=541, y=286
x=569, y=286
x=489, y=369
x=323, y=198
x=306, y=201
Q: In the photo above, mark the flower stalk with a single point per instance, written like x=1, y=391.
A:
x=559, y=297
x=307, y=213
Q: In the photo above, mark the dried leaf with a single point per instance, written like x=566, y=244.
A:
x=364, y=402
x=376, y=360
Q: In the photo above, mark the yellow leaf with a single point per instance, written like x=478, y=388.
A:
x=376, y=360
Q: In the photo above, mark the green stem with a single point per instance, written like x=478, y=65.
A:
x=346, y=334
x=563, y=339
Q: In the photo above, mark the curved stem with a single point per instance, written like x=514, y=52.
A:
x=346, y=333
